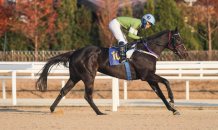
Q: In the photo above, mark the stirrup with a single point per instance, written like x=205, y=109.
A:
x=123, y=60
x=122, y=54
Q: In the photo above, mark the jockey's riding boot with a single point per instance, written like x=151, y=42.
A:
x=122, y=52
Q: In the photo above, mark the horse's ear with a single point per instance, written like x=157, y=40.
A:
x=176, y=30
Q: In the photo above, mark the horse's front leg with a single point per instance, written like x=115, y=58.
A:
x=170, y=93
x=156, y=88
x=152, y=79
x=167, y=84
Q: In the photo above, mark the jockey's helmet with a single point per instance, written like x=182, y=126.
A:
x=149, y=18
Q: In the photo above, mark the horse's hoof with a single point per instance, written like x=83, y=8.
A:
x=176, y=113
x=171, y=104
x=101, y=114
x=52, y=110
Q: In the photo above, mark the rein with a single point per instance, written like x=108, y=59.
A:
x=150, y=52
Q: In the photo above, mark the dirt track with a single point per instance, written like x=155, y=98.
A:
x=126, y=118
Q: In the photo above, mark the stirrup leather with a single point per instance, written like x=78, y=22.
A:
x=122, y=53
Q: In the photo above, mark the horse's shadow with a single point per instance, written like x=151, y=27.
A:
x=20, y=111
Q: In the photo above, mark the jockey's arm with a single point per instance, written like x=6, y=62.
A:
x=133, y=33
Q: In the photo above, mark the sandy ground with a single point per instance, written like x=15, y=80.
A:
x=126, y=118
x=199, y=89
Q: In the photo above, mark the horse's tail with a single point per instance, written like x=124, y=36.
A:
x=41, y=83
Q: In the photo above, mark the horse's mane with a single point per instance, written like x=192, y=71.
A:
x=156, y=35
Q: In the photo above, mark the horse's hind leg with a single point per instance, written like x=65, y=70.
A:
x=89, y=87
x=156, y=88
x=68, y=86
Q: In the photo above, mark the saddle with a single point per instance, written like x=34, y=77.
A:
x=114, y=57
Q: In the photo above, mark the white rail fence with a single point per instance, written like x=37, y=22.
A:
x=170, y=70
x=35, y=67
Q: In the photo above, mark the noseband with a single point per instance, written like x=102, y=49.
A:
x=172, y=39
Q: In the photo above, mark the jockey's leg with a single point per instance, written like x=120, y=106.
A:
x=122, y=52
x=115, y=27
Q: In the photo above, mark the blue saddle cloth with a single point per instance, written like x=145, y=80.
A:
x=114, y=60
x=114, y=56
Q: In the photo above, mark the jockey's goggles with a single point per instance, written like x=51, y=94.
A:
x=147, y=23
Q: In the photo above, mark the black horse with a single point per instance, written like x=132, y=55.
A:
x=84, y=64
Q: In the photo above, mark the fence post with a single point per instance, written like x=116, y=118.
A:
x=125, y=89
x=180, y=74
x=14, y=100
x=32, y=74
x=201, y=74
x=187, y=89
x=3, y=89
x=114, y=94
x=118, y=93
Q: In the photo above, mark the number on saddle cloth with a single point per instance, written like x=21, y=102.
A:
x=114, y=53
x=114, y=57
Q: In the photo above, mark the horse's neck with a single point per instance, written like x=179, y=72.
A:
x=157, y=49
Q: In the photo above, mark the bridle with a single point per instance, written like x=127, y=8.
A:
x=172, y=45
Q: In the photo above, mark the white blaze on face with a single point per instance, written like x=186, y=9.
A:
x=178, y=34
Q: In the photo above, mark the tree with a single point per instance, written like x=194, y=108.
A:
x=65, y=23
x=83, y=28
x=204, y=19
x=15, y=41
x=169, y=16
x=5, y=13
x=127, y=12
x=36, y=19
x=166, y=14
x=105, y=15
x=149, y=7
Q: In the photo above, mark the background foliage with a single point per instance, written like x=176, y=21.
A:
x=77, y=27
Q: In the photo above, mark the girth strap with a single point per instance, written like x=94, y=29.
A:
x=128, y=71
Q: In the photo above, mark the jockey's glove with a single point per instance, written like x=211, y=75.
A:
x=141, y=39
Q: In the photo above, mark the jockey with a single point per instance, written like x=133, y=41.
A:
x=131, y=24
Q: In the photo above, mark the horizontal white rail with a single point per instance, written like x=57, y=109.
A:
x=167, y=69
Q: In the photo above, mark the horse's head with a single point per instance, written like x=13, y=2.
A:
x=176, y=45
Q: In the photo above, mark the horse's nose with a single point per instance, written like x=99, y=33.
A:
x=186, y=54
